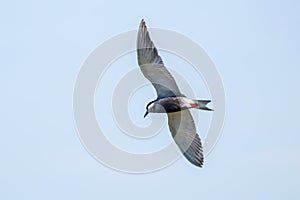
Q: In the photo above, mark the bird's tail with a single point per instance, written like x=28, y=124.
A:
x=202, y=104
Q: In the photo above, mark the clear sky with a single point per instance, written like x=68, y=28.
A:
x=255, y=46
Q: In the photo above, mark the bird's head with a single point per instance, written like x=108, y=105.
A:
x=149, y=108
x=154, y=107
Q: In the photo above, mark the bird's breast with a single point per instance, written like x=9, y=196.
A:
x=170, y=105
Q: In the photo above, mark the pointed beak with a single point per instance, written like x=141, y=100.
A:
x=146, y=114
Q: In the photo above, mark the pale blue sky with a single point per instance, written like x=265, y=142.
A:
x=255, y=46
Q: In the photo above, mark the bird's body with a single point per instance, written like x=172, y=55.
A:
x=169, y=99
x=175, y=104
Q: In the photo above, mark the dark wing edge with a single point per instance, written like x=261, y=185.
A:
x=182, y=127
x=153, y=67
x=147, y=52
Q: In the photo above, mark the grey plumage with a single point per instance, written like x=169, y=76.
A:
x=169, y=99
x=153, y=67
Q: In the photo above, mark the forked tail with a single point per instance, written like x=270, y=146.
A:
x=202, y=104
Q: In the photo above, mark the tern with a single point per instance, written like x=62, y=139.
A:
x=169, y=99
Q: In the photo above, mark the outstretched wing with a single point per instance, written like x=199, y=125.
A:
x=182, y=127
x=153, y=67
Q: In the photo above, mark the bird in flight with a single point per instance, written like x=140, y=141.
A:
x=169, y=99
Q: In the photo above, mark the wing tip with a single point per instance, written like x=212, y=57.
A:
x=200, y=163
x=194, y=153
x=196, y=161
x=143, y=24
